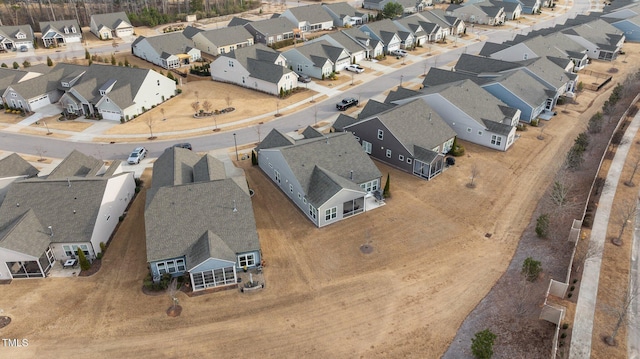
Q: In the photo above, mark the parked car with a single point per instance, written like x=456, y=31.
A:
x=400, y=53
x=355, y=68
x=23, y=48
x=185, y=145
x=304, y=78
x=346, y=103
x=137, y=155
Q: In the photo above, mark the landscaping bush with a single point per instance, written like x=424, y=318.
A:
x=457, y=150
x=482, y=344
x=103, y=247
x=531, y=269
x=84, y=262
x=535, y=122
x=595, y=123
x=542, y=226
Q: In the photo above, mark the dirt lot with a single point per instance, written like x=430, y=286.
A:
x=439, y=248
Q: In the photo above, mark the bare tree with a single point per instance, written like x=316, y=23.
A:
x=197, y=96
x=40, y=151
x=206, y=105
x=195, y=106
x=583, y=254
x=150, y=123
x=626, y=212
x=46, y=126
x=633, y=173
x=172, y=290
x=258, y=129
x=474, y=174
x=621, y=310
x=162, y=111
x=228, y=99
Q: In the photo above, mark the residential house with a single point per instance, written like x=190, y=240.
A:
x=512, y=10
x=238, y=21
x=328, y=176
x=374, y=47
x=13, y=38
x=385, y=32
x=555, y=45
x=199, y=220
x=345, y=15
x=450, y=25
x=256, y=67
x=45, y=219
x=108, y=26
x=317, y=59
x=11, y=76
x=309, y=18
x=408, y=6
x=544, y=70
x=271, y=30
x=357, y=49
x=170, y=51
x=57, y=33
x=223, y=40
x=483, y=13
x=626, y=20
x=411, y=137
x=530, y=7
x=114, y=93
x=602, y=40
x=472, y=112
x=14, y=168
x=413, y=26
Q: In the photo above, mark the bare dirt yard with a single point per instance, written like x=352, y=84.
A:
x=438, y=248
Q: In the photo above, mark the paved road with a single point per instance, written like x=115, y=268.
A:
x=50, y=147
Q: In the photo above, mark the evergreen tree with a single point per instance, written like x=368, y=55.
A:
x=386, y=193
x=84, y=263
x=49, y=61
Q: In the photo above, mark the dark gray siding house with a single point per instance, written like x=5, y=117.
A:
x=411, y=137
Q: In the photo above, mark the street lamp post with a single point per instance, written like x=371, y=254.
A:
x=401, y=77
x=235, y=144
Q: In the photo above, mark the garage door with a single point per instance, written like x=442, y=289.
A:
x=39, y=102
x=108, y=115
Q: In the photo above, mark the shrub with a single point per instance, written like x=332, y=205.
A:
x=482, y=344
x=575, y=281
x=84, y=263
x=87, y=55
x=99, y=255
x=535, y=122
x=573, y=287
x=16, y=65
x=103, y=247
x=580, y=86
x=49, y=61
x=531, y=269
x=563, y=335
x=178, y=91
x=254, y=159
x=565, y=325
x=595, y=123
x=386, y=192
x=542, y=226
x=4, y=65
x=521, y=127
x=569, y=295
x=582, y=141
x=457, y=150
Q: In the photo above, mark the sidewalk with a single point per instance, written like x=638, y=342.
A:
x=586, y=306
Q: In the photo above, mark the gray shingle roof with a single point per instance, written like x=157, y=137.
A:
x=206, y=246
x=14, y=165
x=342, y=39
x=310, y=132
x=10, y=76
x=598, y=32
x=549, y=71
x=373, y=107
x=76, y=164
x=472, y=100
x=110, y=20
x=275, y=138
x=59, y=26
x=490, y=48
x=325, y=184
x=415, y=124
x=384, y=29
x=176, y=217
x=521, y=84
x=25, y=235
x=322, y=50
x=436, y=77
x=342, y=9
x=190, y=31
x=10, y=32
x=71, y=211
x=280, y=25
x=172, y=43
x=342, y=121
x=400, y=93
x=312, y=13
x=259, y=60
x=336, y=153
x=46, y=83
x=227, y=35
x=474, y=64
x=238, y=21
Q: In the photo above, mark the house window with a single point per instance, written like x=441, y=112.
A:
x=158, y=82
x=72, y=250
x=469, y=129
x=357, y=138
x=409, y=160
x=230, y=63
x=299, y=195
x=525, y=56
x=380, y=134
x=277, y=174
x=400, y=157
x=366, y=146
x=479, y=133
x=299, y=67
x=290, y=188
x=388, y=153
x=496, y=140
x=231, y=48
x=331, y=213
x=313, y=212
x=247, y=260
x=304, y=200
x=370, y=186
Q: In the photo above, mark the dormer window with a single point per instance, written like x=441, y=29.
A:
x=73, y=29
x=65, y=84
x=66, y=30
x=21, y=35
x=103, y=92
